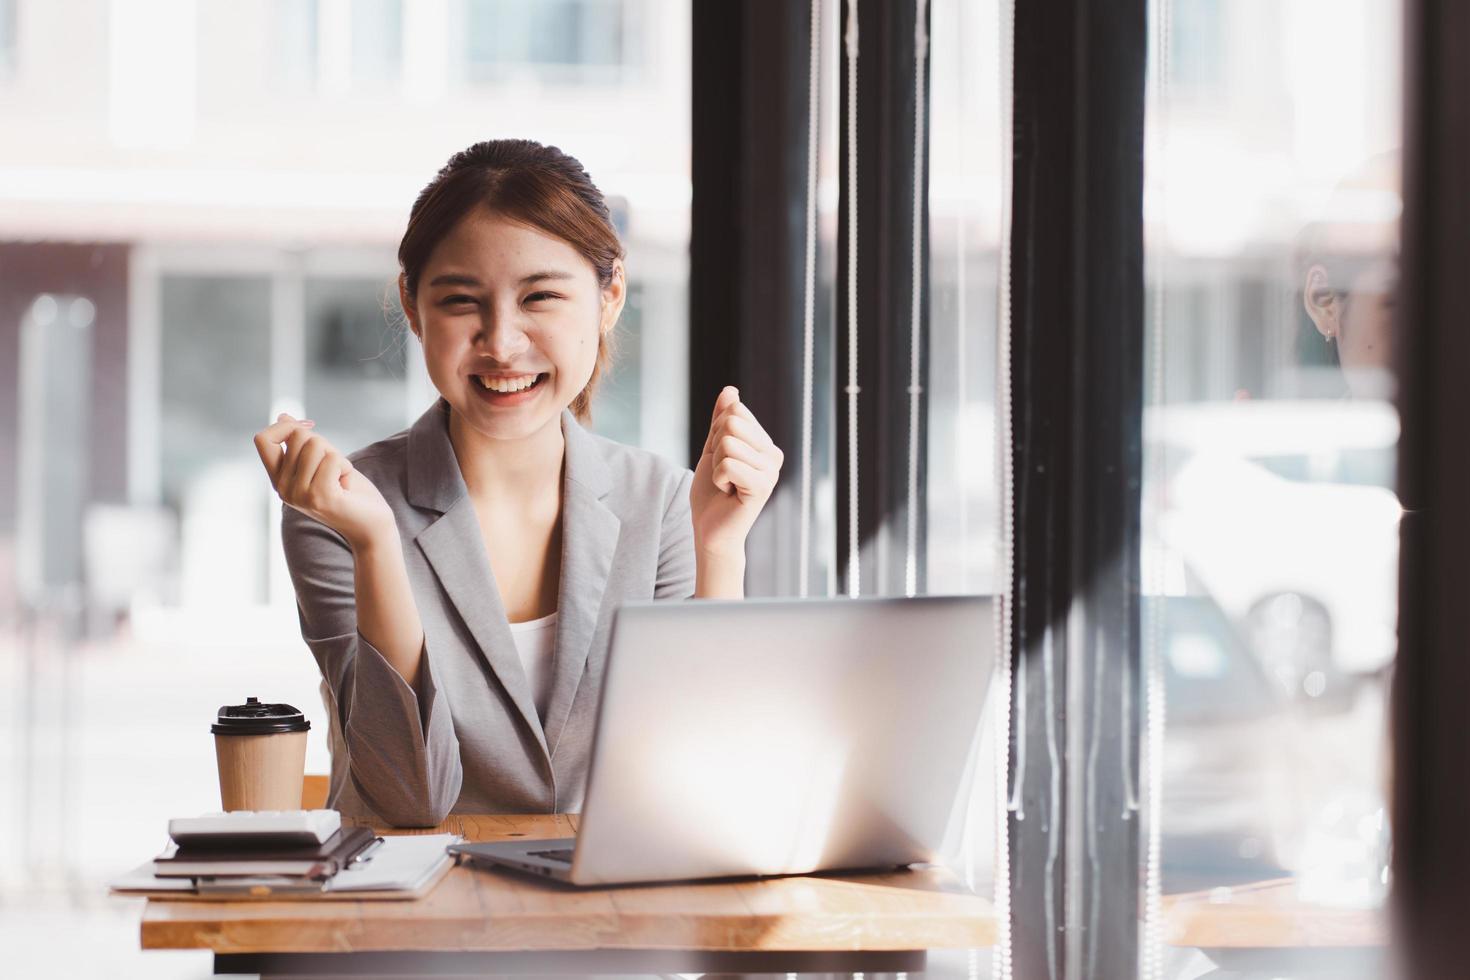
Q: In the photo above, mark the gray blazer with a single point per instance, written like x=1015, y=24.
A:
x=474, y=742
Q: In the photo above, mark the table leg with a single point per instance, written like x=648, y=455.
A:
x=443, y=964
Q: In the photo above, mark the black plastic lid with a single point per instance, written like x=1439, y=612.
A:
x=254, y=718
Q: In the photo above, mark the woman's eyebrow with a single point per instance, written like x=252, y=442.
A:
x=454, y=279
x=538, y=276
x=462, y=279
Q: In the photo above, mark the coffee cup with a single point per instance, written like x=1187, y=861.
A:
x=261, y=751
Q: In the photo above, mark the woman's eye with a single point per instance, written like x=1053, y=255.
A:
x=458, y=299
x=541, y=297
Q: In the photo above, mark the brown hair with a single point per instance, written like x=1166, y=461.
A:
x=524, y=181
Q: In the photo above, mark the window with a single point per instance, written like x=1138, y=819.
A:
x=295, y=44
x=967, y=198
x=1198, y=41
x=356, y=352
x=8, y=38
x=1271, y=244
x=377, y=42
x=214, y=384
x=552, y=40
x=252, y=272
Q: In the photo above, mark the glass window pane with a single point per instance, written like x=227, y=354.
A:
x=294, y=44
x=356, y=357
x=214, y=391
x=1270, y=521
x=377, y=41
x=617, y=412
x=250, y=268
x=967, y=196
x=968, y=187
x=7, y=37
x=552, y=39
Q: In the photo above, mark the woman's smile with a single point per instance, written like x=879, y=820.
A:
x=507, y=390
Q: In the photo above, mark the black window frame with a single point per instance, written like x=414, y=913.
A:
x=749, y=150
x=1077, y=387
x=1431, y=743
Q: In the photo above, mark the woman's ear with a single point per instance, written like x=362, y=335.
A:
x=614, y=295
x=1321, y=302
x=410, y=312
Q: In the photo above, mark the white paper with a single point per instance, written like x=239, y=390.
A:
x=142, y=879
x=401, y=863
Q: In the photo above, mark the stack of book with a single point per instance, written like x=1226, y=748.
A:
x=252, y=852
x=287, y=854
x=254, y=864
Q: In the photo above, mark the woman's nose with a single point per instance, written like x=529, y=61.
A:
x=502, y=336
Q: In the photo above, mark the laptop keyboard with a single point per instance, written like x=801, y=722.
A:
x=563, y=856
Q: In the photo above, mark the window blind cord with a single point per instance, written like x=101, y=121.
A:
x=1005, y=541
x=809, y=314
x=1151, y=958
x=916, y=300
x=854, y=553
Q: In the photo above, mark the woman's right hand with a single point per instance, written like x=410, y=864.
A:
x=310, y=475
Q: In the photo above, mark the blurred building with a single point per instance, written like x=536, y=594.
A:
x=226, y=185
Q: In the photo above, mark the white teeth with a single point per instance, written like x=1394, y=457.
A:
x=507, y=385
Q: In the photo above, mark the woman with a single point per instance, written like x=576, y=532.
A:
x=1349, y=273
x=456, y=582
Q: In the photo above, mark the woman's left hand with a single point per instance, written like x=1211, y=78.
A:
x=734, y=478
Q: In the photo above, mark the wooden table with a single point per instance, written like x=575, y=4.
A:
x=1267, y=915
x=1265, y=928
x=479, y=921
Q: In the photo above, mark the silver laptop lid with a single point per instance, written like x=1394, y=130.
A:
x=781, y=737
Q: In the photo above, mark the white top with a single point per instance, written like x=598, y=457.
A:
x=535, y=642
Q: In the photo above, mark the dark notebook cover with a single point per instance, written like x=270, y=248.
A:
x=327, y=858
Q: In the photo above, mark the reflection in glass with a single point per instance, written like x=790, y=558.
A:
x=1271, y=524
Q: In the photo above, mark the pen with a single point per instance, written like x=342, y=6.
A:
x=365, y=855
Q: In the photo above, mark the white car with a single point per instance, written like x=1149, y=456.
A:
x=1285, y=513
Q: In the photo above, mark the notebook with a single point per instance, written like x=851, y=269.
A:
x=308, y=860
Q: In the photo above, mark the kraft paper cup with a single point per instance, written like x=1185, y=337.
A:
x=261, y=752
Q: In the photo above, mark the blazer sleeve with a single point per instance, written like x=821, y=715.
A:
x=402, y=751
x=676, y=545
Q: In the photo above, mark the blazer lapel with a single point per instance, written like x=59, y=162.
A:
x=454, y=547
x=589, y=539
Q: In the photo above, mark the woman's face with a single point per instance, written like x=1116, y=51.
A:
x=1367, y=324
x=1358, y=318
x=510, y=319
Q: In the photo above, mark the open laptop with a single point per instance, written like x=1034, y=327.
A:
x=773, y=737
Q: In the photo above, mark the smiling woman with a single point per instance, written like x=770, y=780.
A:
x=456, y=582
x=531, y=214
x=512, y=318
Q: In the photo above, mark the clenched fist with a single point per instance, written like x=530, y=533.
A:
x=312, y=476
x=734, y=478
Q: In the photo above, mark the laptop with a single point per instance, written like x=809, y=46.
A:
x=773, y=737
